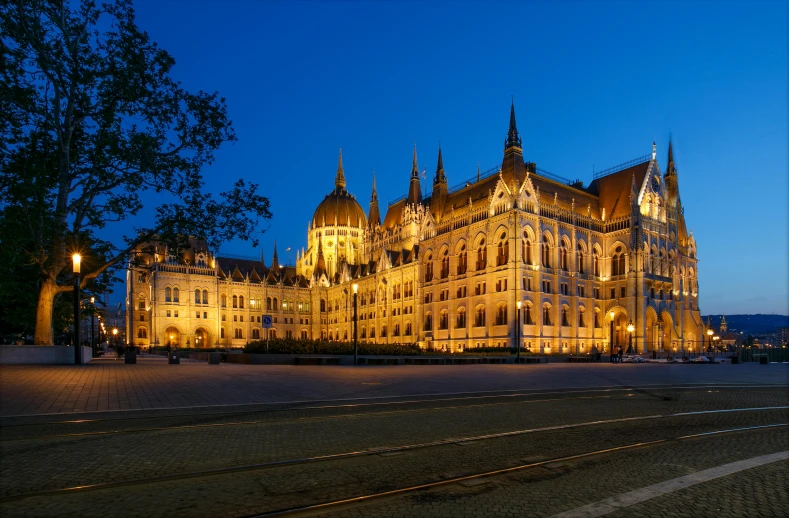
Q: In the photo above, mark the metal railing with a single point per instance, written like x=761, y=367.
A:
x=623, y=165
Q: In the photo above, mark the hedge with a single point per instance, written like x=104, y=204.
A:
x=302, y=346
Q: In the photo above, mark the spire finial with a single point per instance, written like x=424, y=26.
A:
x=440, y=176
x=513, y=139
x=339, y=181
x=414, y=166
x=478, y=171
x=670, y=169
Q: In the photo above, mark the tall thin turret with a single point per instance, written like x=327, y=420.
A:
x=414, y=187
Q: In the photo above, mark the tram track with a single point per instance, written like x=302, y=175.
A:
x=392, y=449
x=351, y=407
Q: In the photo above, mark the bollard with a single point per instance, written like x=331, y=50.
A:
x=173, y=359
x=130, y=356
x=214, y=358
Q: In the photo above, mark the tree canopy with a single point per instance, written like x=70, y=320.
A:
x=94, y=128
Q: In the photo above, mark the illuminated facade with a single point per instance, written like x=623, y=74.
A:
x=448, y=269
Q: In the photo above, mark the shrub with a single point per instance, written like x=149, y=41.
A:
x=302, y=346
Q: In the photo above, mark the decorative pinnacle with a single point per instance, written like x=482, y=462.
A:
x=440, y=176
x=414, y=166
x=374, y=196
x=339, y=180
x=513, y=139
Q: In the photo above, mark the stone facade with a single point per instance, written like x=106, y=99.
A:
x=448, y=270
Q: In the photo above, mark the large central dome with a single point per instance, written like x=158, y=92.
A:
x=339, y=207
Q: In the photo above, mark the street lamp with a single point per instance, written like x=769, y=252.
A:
x=92, y=311
x=709, y=340
x=630, y=329
x=715, y=341
x=355, y=326
x=518, y=331
x=76, y=259
x=611, y=341
x=115, y=338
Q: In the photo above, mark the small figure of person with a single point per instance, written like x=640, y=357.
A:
x=619, y=359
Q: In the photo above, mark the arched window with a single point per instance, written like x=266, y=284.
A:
x=618, y=262
x=479, y=320
x=176, y=295
x=304, y=335
x=396, y=329
x=460, y=318
x=408, y=329
x=142, y=332
x=581, y=322
x=428, y=321
x=223, y=300
x=581, y=259
x=445, y=265
x=527, y=249
x=167, y=295
x=596, y=264
x=443, y=319
x=239, y=333
x=565, y=320
x=268, y=303
x=197, y=296
x=235, y=301
x=205, y=296
x=222, y=332
x=256, y=334
x=272, y=333
x=323, y=305
x=241, y=301
x=503, y=250
x=372, y=331
x=546, y=316
x=364, y=333
x=429, y=268
x=501, y=314
x=482, y=256
x=563, y=257
x=275, y=304
x=546, y=252
x=528, y=319
x=462, y=260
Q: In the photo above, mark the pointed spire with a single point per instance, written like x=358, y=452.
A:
x=374, y=215
x=513, y=139
x=414, y=187
x=670, y=169
x=414, y=166
x=262, y=257
x=339, y=180
x=274, y=259
x=374, y=196
x=440, y=175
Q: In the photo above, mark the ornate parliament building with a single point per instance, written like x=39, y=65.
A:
x=608, y=264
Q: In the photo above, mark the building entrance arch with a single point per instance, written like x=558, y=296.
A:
x=172, y=336
x=202, y=338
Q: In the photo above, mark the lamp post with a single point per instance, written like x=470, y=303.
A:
x=92, y=329
x=611, y=344
x=710, y=332
x=76, y=263
x=715, y=341
x=355, y=326
x=518, y=332
x=115, y=338
x=630, y=329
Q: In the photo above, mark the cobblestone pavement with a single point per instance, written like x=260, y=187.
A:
x=151, y=384
x=35, y=461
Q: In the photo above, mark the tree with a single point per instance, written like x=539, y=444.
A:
x=93, y=129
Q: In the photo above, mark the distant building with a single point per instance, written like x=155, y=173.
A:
x=447, y=269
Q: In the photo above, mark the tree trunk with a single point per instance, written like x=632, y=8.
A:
x=43, y=334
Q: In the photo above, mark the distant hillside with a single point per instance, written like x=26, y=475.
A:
x=751, y=324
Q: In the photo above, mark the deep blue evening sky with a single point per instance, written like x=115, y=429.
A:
x=594, y=84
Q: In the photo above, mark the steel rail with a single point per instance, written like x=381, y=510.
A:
x=369, y=451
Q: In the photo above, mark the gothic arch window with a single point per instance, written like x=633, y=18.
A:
x=429, y=268
x=546, y=252
x=443, y=319
x=462, y=260
x=235, y=301
x=445, y=265
x=197, y=296
x=168, y=295
x=428, y=321
x=241, y=301
x=546, y=315
x=482, y=255
x=239, y=334
x=526, y=252
x=503, y=250
x=563, y=256
x=581, y=320
x=565, y=317
x=596, y=263
x=501, y=314
x=581, y=258
x=323, y=305
x=479, y=318
x=222, y=332
x=275, y=304
x=205, y=296
x=372, y=331
x=527, y=317
x=408, y=329
x=142, y=332
x=176, y=295
x=364, y=332
x=224, y=300
x=655, y=262
x=256, y=334
x=268, y=304
x=618, y=262
x=460, y=319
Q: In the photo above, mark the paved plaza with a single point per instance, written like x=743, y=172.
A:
x=110, y=385
x=198, y=440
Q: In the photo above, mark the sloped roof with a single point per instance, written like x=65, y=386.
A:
x=613, y=190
